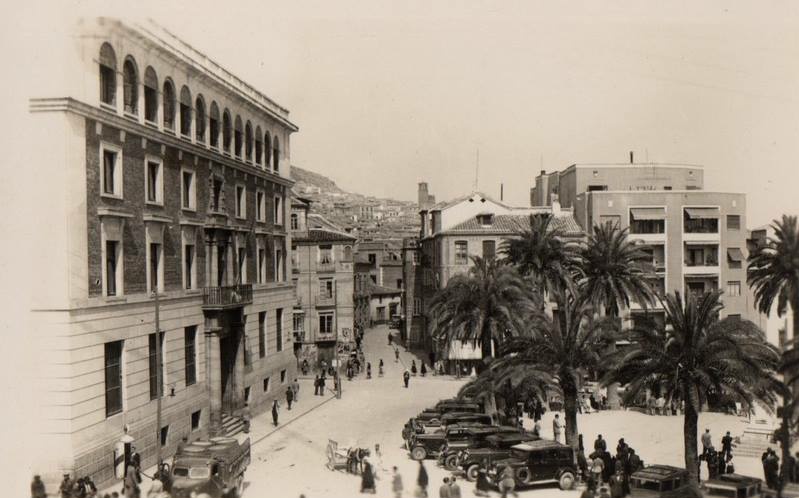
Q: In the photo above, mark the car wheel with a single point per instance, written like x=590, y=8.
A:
x=566, y=480
x=523, y=475
x=451, y=462
x=419, y=453
x=472, y=471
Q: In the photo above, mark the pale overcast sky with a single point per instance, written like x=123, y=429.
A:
x=387, y=94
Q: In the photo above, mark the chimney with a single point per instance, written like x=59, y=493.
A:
x=631, y=158
x=501, y=192
x=543, y=172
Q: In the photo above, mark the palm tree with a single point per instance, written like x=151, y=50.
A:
x=694, y=354
x=544, y=253
x=485, y=306
x=568, y=345
x=615, y=271
x=773, y=274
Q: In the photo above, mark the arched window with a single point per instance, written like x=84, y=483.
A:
x=199, y=119
x=267, y=151
x=237, y=136
x=108, y=75
x=185, y=112
x=226, y=131
x=130, y=86
x=213, y=126
x=150, y=95
x=248, y=141
x=276, y=154
x=169, y=105
x=258, y=146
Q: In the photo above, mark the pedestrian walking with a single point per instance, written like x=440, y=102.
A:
x=413, y=368
x=322, y=381
x=316, y=386
x=707, y=441
x=37, y=488
x=396, y=354
x=396, y=483
x=305, y=366
x=368, y=370
x=380, y=368
x=368, y=478
x=406, y=377
x=454, y=489
x=537, y=428
x=131, y=486
x=482, y=486
x=295, y=386
x=600, y=444
x=443, y=490
x=423, y=371
x=289, y=396
x=390, y=337
x=557, y=427
x=597, y=468
x=726, y=446
x=275, y=412
x=422, y=480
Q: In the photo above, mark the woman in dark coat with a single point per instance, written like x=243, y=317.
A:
x=367, y=478
x=275, y=406
x=413, y=367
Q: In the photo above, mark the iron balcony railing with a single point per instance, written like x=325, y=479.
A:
x=231, y=295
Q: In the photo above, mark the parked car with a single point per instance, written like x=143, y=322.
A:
x=212, y=467
x=537, y=462
x=472, y=437
x=429, y=444
x=733, y=486
x=457, y=418
x=659, y=481
x=496, y=447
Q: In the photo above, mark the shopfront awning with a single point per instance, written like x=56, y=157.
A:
x=648, y=213
x=735, y=254
x=702, y=213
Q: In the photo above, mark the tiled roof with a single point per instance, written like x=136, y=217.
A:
x=322, y=236
x=513, y=223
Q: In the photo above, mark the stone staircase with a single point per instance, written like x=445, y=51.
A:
x=231, y=425
x=757, y=437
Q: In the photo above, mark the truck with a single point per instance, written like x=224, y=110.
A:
x=215, y=467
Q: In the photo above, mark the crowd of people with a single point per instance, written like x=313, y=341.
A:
x=606, y=474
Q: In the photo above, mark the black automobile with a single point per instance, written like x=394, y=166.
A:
x=734, y=486
x=495, y=447
x=472, y=437
x=450, y=418
x=537, y=462
x=429, y=444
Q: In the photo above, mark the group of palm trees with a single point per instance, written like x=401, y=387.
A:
x=546, y=314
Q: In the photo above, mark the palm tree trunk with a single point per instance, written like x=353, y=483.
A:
x=785, y=444
x=614, y=402
x=570, y=408
x=690, y=424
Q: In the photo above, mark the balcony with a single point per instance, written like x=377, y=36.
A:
x=227, y=297
x=701, y=259
x=327, y=267
x=326, y=299
x=700, y=224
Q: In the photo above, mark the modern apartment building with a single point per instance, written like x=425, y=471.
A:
x=322, y=274
x=697, y=238
x=452, y=232
x=168, y=174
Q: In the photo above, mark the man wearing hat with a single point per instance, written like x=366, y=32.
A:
x=66, y=486
x=37, y=488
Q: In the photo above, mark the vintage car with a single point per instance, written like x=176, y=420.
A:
x=537, y=462
x=495, y=447
x=659, y=481
x=732, y=486
x=213, y=467
x=472, y=437
x=456, y=418
x=429, y=444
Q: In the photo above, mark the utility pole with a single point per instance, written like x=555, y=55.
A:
x=158, y=381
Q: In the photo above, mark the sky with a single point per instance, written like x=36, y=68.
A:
x=388, y=94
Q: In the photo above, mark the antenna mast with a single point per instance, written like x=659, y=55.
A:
x=477, y=169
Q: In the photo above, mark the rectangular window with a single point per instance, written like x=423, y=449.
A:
x=295, y=221
x=113, y=378
x=112, y=171
x=242, y=260
x=282, y=376
x=461, y=252
x=241, y=200
x=416, y=257
x=325, y=323
x=195, y=420
x=156, y=367
x=733, y=288
x=489, y=249
x=733, y=222
x=259, y=206
x=188, y=266
x=155, y=184
x=266, y=385
x=278, y=265
x=154, y=270
x=261, y=265
x=399, y=283
x=111, y=267
x=278, y=210
x=164, y=435
x=326, y=255
x=298, y=321
x=216, y=199
x=279, y=330
x=417, y=306
x=262, y=334
x=188, y=192
x=190, y=351
x=326, y=288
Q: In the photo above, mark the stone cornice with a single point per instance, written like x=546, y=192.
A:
x=68, y=104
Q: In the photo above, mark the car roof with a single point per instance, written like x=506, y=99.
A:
x=540, y=444
x=660, y=472
x=734, y=479
x=511, y=437
x=452, y=415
